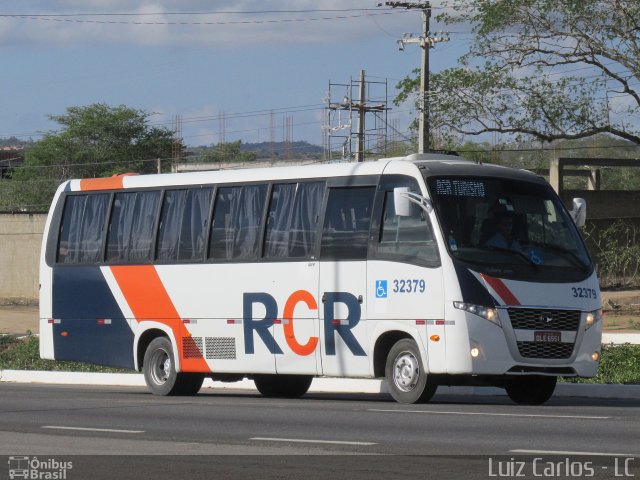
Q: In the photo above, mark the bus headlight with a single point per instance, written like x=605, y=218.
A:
x=593, y=318
x=487, y=313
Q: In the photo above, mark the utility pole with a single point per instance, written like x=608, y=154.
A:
x=361, y=116
x=426, y=43
x=362, y=106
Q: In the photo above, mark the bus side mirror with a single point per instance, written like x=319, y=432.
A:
x=579, y=212
x=403, y=198
x=402, y=202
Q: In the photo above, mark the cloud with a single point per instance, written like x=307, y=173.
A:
x=191, y=23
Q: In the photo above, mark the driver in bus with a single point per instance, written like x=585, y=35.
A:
x=503, y=236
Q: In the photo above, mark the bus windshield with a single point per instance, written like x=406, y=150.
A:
x=509, y=228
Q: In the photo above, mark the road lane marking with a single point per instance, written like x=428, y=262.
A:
x=435, y=412
x=83, y=429
x=302, y=440
x=561, y=452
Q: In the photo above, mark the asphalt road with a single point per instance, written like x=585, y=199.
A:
x=256, y=436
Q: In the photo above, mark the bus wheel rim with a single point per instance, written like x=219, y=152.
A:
x=160, y=367
x=406, y=371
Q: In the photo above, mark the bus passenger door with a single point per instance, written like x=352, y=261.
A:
x=343, y=269
x=297, y=329
x=290, y=246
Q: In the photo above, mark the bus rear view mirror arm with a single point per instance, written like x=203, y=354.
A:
x=579, y=211
x=403, y=198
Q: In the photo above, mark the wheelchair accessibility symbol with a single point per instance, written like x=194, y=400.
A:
x=381, y=289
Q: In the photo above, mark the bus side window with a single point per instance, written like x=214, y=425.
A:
x=346, y=225
x=132, y=227
x=169, y=230
x=406, y=238
x=183, y=223
x=278, y=220
x=80, y=239
x=292, y=221
x=237, y=217
x=304, y=221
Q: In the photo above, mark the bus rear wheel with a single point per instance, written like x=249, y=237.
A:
x=406, y=376
x=160, y=374
x=287, y=386
x=530, y=390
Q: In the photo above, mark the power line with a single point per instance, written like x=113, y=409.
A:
x=202, y=118
x=251, y=113
x=214, y=12
x=196, y=23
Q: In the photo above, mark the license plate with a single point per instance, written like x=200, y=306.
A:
x=549, y=337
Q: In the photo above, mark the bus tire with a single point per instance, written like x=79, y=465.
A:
x=530, y=390
x=160, y=374
x=285, y=386
x=405, y=373
x=189, y=383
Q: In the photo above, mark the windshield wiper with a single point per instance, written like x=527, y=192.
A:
x=509, y=250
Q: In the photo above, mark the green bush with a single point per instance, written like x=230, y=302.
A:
x=616, y=253
x=618, y=364
x=24, y=354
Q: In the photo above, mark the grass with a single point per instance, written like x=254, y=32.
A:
x=24, y=354
x=619, y=364
x=621, y=321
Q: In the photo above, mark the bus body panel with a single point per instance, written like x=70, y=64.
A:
x=401, y=293
x=310, y=316
x=46, y=285
x=343, y=319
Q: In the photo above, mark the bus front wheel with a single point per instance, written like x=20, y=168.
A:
x=530, y=390
x=405, y=373
x=160, y=374
x=287, y=386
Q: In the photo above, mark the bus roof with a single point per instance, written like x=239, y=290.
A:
x=428, y=164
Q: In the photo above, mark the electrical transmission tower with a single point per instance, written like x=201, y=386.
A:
x=340, y=132
x=222, y=128
x=287, y=136
x=426, y=42
x=176, y=144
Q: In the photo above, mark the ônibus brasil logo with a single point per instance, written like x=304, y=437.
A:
x=38, y=469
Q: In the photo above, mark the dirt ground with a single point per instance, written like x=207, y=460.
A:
x=621, y=310
x=622, y=313
x=18, y=319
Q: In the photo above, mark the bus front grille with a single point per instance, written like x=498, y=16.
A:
x=544, y=319
x=545, y=349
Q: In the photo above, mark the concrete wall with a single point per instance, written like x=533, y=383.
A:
x=607, y=204
x=20, y=239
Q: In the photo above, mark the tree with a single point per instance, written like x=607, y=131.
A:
x=97, y=140
x=541, y=69
x=227, y=152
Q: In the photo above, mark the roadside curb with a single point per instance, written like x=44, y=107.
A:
x=620, y=338
x=319, y=385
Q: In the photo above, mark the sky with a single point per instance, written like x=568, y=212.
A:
x=196, y=59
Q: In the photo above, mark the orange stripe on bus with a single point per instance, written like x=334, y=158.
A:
x=115, y=182
x=111, y=183
x=148, y=300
